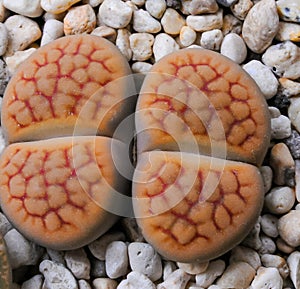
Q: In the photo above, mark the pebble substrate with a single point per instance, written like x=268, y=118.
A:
x=263, y=37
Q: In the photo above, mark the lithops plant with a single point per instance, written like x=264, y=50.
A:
x=5, y=270
x=201, y=193
x=58, y=192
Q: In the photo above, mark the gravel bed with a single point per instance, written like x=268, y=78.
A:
x=262, y=36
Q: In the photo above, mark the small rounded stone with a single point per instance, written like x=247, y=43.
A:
x=286, y=228
x=234, y=47
x=105, y=32
x=280, y=200
x=172, y=22
x=211, y=39
x=156, y=7
x=29, y=8
x=141, y=45
x=270, y=260
x=104, y=283
x=144, y=22
x=136, y=280
x=294, y=264
x=193, y=268
x=177, y=279
x=79, y=20
x=57, y=6
x=53, y=29
x=289, y=10
x=164, y=44
x=187, y=36
x=280, y=127
x=288, y=31
x=214, y=270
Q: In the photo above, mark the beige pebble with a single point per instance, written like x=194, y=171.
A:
x=52, y=30
x=283, y=59
x=289, y=87
x=105, y=32
x=245, y=254
x=201, y=23
x=288, y=31
x=234, y=47
x=104, y=283
x=22, y=32
x=268, y=246
x=269, y=260
x=267, y=278
x=4, y=13
x=294, y=263
x=60, y=17
x=187, y=36
x=237, y=275
x=79, y=20
x=176, y=280
x=136, y=280
x=241, y=8
x=231, y=25
x=122, y=42
x=156, y=8
x=29, y=8
x=163, y=45
x=261, y=25
x=93, y=3
x=141, y=67
x=172, y=22
x=196, y=7
x=120, y=11
x=286, y=228
x=193, y=268
x=213, y=271
x=211, y=39
x=267, y=175
x=283, y=246
x=283, y=165
x=294, y=112
x=57, y=6
x=144, y=22
x=289, y=10
x=138, y=2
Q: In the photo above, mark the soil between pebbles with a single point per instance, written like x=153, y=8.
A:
x=262, y=36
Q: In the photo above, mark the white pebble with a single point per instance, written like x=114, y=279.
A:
x=286, y=228
x=60, y=17
x=104, y=283
x=116, y=259
x=237, y=275
x=172, y=22
x=294, y=264
x=195, y=7
x=57, y=6
x=241, y=8
x=270, y=260
x=294, y=112
x=169, y=268
x=267, y=278
x=263, y=76
x=78, y=263
x=53, y=29
x=245, y=254
x=21, y=251
x=211, y=39
x=136, y=280
x=34, y=282
x=176, y=280
x=141, y=67
x=57, y=276
x=280, y=127
x=79, y=20
x=214, y=270
x=120, y=11
x=93, y=3
x=98, y=247
x=289, y=87
x=56, y=256
x=30, y=8
x=144, y=259
x=144, y=22
x=141, y=46
x=123, y=43
x=207, y=22
x=261, y=25
x=22, y=32
x=83, y=284
x=163, y=45
x=283, y=59
x=269, y=225
x=193, y=268
x=14, y=61
x=156, y=7
x=234, y=47
x=280, y=200
x=267, y=175
x=105, y=32
x=288, y=31
x=187, y=36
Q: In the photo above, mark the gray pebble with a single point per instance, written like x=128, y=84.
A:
x=144, y=259
x=136, y=280
x=280, y=127
x=56, y=256
x=4, y=76
x=21, y=251
x=116, y=259
x=269, y=225
x=252, y=240
x=245, y=254
x=57, y=276
x=226, y=3
x=267, y=175
x=5, y=225
x=35, y=282
x=83, y=284
x=268, y=245
x=98, y=268
x=78, y=263
x=293, y=142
